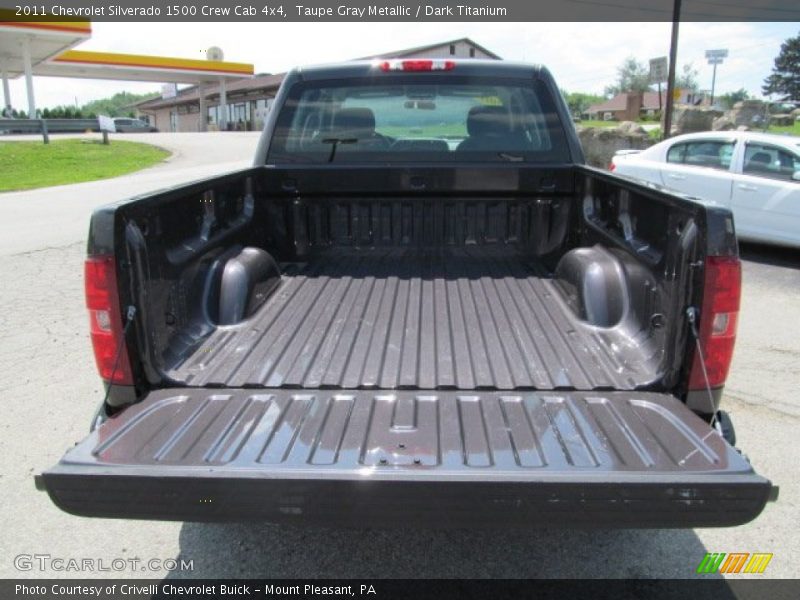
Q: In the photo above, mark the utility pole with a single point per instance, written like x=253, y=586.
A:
x=673, y=55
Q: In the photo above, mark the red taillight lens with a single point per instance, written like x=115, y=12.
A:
x=611, y=166
x=418, y=65
x=717, y=329
x=105, y=320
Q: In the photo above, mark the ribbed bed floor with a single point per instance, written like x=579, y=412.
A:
x=387, y=319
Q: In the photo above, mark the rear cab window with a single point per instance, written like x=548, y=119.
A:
x=424, y=118
x=714, y=154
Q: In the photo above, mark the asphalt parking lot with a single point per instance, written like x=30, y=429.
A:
x=50, y=391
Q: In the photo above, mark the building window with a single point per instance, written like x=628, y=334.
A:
x=452, y=49
x=472, y=52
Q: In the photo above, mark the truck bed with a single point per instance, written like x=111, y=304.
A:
x=411, y=318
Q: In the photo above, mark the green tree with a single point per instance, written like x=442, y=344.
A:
x=731, y=98
x=632, y=76
x=687, y=80
x=578, y=102
x=785, y=78
x=118, y=105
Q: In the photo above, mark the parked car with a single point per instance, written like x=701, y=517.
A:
x=413, y=313
x=125, y=125
x=755, y=175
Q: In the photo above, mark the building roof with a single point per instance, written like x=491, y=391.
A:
x=620, y=101
x=271, y=83
x=263, y=81
x=650, y=100
x=418, y=49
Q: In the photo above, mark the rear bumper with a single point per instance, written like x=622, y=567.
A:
x=375, y=503
x=410, y=458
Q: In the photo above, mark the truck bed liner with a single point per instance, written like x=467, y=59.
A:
x=468, y=318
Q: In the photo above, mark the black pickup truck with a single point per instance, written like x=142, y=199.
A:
x=419, y=306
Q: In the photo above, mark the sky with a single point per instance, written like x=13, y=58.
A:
x=582, y=56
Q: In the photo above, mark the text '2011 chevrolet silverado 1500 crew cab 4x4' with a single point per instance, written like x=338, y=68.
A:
x=419, y=306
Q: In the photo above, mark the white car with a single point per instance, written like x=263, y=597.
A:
x=756, y=175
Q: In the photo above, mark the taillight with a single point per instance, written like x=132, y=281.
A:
x=105, y=320
x=418, y=65
x=717, y=328
x=611, y=166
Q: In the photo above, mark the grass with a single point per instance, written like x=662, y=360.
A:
x=785, y=129
x=30, y=165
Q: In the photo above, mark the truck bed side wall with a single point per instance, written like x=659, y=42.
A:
x=172, y=245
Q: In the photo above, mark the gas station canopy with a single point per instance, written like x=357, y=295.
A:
x=136, y=67
x=46, y=49
x=44, y=41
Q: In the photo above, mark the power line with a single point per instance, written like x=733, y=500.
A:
x=791, y=11
x=693, y=14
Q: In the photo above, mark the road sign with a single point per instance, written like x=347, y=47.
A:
x=658, y=69
x=106, y=123
x=169, y=90
x=714, y=58
x=720, y=53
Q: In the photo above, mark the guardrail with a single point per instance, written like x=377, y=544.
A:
x=47, y=126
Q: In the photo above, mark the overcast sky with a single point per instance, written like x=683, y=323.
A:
x=582, y=56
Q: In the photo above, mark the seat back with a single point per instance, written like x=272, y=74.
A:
x=489, y=129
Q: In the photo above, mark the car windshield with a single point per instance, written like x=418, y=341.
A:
x=419, y=119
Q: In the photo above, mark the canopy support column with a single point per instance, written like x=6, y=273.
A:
x=223, y=106
x=201, y=90
x=6, y=90
x=26, y=62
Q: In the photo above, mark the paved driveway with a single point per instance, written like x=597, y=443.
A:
x=50, y=389
x=59, y=215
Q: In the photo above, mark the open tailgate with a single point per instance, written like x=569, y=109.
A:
x=624, y=459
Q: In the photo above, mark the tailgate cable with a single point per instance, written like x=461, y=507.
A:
x=691, y=314
x=128, y=320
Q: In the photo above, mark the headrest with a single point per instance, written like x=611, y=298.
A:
x=488, y=120
x=355, y=119
x=760, y=157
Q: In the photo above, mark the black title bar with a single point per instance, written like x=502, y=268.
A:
x=386, y=11
x=714, y=588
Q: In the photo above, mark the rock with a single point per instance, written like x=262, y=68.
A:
x=781, y=120
x=601, y=143
x=742, y=128
x=748, y=113
x=631, y=128
x=795, y=114
x=687, y=118
x=722, y=123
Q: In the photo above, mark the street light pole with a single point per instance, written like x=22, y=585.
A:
x=713, y=82
x=715, y=57
x=673, y=55
x=6, y=90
